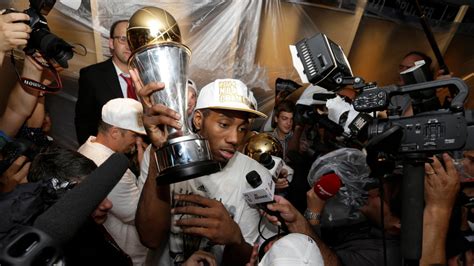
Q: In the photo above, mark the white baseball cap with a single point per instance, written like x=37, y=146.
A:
x=192, y=85
x=229, y=94
x=293, y=250
x=124, y=113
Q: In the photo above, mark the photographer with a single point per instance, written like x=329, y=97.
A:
x=13, y=34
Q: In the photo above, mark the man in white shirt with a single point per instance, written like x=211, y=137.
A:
x=210, y=211
x=118, y=132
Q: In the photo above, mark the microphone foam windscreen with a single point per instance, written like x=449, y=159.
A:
x=64, y=218
x=327, y=186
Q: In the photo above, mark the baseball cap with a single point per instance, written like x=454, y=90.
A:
x=293, y=250
x=192, y=85
x=124, y=113
x=229, y=94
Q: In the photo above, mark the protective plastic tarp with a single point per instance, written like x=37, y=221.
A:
x=351, y=167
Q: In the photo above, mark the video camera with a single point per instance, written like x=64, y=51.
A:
x=409, y=140
x=325, y=64
x=41, y=39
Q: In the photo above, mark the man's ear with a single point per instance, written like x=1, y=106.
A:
x=114, y=132
x=197, y=119
x=111, y=44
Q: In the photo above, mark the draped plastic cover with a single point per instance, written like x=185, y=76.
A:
x=351, y=167
x=223, y=35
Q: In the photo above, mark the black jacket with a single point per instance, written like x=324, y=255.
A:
x=98, y=84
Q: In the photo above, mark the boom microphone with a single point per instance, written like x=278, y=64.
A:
x=64, y=218
x=41, y=244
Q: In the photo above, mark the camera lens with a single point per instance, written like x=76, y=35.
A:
x=54, y=47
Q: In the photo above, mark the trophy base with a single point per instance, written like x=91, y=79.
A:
x=186, y=172
x=183, y=158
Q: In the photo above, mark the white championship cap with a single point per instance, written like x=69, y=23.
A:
x=124, y=113
x=229, y=94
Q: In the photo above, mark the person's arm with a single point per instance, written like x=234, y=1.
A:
x=21, y=101
x=296, y=223
x=441, y=189
x=37, y=117
x=13, y=34
x=153, y=217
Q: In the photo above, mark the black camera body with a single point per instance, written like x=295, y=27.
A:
x=14, y=149
x=429, y=132
x=41, y=39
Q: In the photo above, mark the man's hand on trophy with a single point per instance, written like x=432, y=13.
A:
x=211, y=220
x=155, y=116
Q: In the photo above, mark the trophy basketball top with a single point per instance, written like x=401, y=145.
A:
x=150, y=26
x=262, y=143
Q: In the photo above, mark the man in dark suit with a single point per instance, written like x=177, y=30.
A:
x=102, y=82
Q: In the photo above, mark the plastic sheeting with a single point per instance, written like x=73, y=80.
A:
x=223, y=35
x=351, y=167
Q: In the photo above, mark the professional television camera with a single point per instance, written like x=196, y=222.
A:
x=409, y=140
x=52, y=48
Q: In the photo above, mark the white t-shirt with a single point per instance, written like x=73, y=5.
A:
x=124, y=196
x=227, y=186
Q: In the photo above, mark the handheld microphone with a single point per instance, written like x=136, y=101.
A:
x=59, y=224
x=275, y=164
x=262, y=194
x=327, y=186
x=272, y=163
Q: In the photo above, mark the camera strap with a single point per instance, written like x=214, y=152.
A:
x=35, y=85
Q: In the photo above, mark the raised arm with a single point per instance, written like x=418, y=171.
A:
x=153, y=215
x=441, y=189
x=296, y=223
x=21, y=101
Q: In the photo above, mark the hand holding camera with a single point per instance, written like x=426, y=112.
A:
x=13, y=34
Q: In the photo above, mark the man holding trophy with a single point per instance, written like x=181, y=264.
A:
x=195, y=206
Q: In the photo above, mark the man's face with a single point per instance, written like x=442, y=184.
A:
x=224, y=130
x=126, y=141
x=284, y=122
x=119, y=44
x=191, y=100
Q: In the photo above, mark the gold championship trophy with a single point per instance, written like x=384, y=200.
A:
x=159, y=56
x=262, y=143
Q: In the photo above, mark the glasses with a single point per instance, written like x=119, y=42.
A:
x=121, y=39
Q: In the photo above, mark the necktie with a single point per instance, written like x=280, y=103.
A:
x=130, y=89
